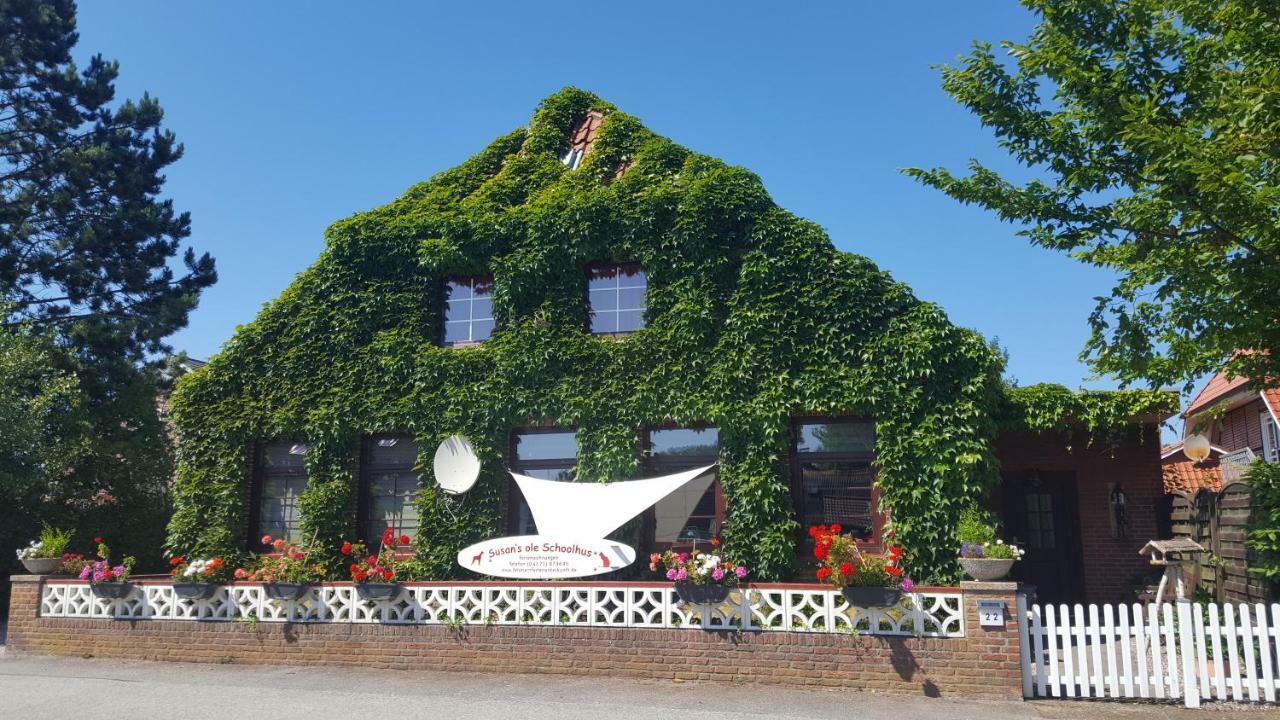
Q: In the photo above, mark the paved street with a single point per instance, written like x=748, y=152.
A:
x=32, y=688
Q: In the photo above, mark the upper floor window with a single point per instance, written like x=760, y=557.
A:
x=468, y=310
x=617, y=298
x=389, y=485
x=1270, y=438
x=281, y=471
x=545, y=454
x=833, y=477
x=693, y=514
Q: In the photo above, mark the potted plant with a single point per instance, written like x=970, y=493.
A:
x=984, y=556
x=286, y=573
x=44, y=555
x=700, y=579
x=865, y=579
x=195, y=579
x=106, y=580
x=374, y=574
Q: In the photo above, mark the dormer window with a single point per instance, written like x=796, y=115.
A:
x=468, y=310
x=617, y=298
x=581, y=137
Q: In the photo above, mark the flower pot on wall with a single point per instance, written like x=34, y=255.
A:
x=111, y=590
x=701, y=594
x=194, y=591
x=42, y=566
x=378, y=591
x=987, y=569
x=872, y=596
x=284, y=591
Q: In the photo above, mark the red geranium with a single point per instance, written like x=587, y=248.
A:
x=824, y=573
x=404, y=539
x=346, y=548
x=846, y=569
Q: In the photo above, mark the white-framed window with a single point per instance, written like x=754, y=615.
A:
x=468, y=310
x=1270, y=439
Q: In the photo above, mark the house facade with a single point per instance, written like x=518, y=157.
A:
x=587, y=301
x=1241, y=423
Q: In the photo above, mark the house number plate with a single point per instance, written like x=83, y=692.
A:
x=991, y=613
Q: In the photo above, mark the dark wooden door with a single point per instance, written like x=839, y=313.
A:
x=1041, y=516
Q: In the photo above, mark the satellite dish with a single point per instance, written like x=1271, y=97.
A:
x=456, y=465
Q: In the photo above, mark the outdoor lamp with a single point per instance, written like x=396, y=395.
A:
x=1196, y=447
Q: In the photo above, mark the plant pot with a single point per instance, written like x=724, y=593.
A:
x=872, y=596
x=42, y=566
x=285, y=591
x=194, y=591
x=702, y=594
x=111, y=590
x=987, y=569
x=377, y=591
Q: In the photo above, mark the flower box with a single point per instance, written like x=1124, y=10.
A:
x=194, y=591
x=987, y=569
x=285, y=591
x=378, y=591
x=42, y=566
x=702, y=594
x=111, y=590
x=872, y=596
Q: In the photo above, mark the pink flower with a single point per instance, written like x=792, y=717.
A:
x=682, y=575
x=298, y=556
x=84, y=572
x=266, y=539
x=653, y=567
x=241, y=573
x=118, y=570
x=278, y=544
x=717, y=574
x=908, y=586
x=671, y=574
x=740, y=571
x=682, y=558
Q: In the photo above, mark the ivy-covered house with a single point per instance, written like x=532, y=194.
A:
x=586, y=300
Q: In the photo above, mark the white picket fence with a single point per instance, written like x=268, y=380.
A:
x=1166, y=651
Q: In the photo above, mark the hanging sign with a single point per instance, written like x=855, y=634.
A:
x=543, y=557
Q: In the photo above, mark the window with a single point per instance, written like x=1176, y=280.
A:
x=693, y=514
x=389, y=485
x=833, y=477
x=1270, y=439
x=468, y=310
x=282, y=478
x=545, y=454
x=617, y=298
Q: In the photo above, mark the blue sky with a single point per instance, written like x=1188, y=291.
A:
x=296, y=114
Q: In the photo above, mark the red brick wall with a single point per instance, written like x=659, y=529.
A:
x=1110, y=563
x=984, y=663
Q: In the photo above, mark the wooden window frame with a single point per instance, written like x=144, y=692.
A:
x=443, y=299
x=648, y=525
x=512, y=520
x=257, y=482
x=879, y=518
x=364, y=496
x=644, y=311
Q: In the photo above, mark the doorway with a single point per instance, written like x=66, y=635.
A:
x=1041, y=516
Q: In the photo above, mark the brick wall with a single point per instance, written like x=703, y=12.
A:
x=984, y=663
x=1110, y=563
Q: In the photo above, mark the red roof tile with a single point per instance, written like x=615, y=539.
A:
x=1183, y=475
x=1217, y=387
x=1272, y=397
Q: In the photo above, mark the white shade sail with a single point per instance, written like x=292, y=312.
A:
x=593, y=510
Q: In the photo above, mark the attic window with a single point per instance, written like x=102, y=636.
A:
x=581, y=137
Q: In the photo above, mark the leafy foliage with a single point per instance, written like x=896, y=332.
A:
x=752, y=319
x=1155, y=126
x=1264, y=521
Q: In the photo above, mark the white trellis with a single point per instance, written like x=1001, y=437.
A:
x=1159, y=651
x=764, y=608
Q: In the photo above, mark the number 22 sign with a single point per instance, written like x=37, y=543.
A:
x=991, y=613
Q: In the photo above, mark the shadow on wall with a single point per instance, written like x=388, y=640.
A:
x=904, y=663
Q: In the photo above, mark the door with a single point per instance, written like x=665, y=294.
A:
x=1040, y=515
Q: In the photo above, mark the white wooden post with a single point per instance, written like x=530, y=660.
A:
x=1186, y=641
x=1024, y=647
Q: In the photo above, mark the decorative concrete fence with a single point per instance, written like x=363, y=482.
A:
x=932, y=643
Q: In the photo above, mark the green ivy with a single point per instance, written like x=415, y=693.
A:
x=752, y=318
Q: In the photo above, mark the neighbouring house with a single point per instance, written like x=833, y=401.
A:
x=586, y=300
x=1241, y=423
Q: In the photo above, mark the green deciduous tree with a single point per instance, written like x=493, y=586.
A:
x=1153, y=127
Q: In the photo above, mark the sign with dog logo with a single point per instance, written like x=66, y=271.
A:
x=541, y=557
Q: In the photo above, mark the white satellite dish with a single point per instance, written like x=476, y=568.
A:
x=456, y=465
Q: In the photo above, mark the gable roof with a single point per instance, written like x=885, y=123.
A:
x=1218, y=387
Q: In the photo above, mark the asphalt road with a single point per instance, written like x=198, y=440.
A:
x=32, y=688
